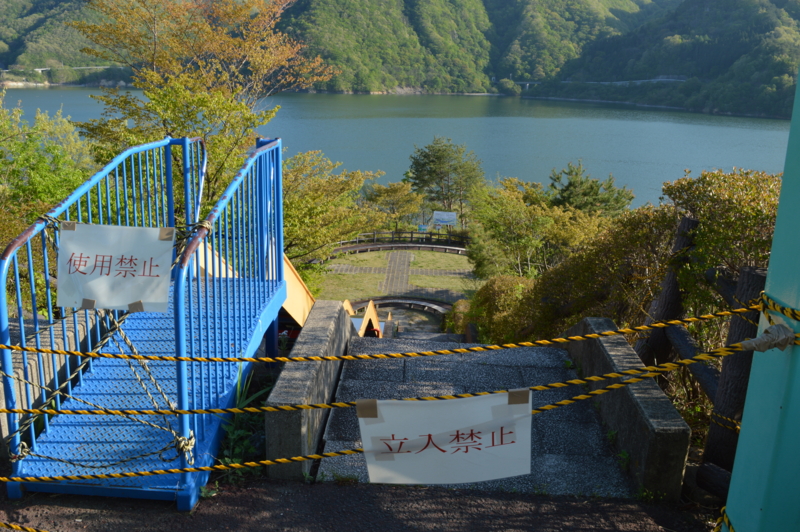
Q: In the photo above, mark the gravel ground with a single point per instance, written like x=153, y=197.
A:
x=291, y=506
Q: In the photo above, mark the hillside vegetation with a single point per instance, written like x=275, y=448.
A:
x=737, y=56
x=33, y=34
x=436, y=45
x=729, y=56
x=458, y=45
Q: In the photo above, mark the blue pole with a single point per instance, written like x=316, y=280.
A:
x=764, y=494
x=279, y=208
x=7, y=363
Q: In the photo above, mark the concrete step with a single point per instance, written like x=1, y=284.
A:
x=431, y=336
x=571, y=454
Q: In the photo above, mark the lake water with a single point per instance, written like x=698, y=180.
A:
x=641, y=147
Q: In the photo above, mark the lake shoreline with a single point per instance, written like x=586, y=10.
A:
x=653, y=106
x=408, y=92
x=404, y=91
x=48, y=85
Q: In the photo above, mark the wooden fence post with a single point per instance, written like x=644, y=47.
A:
x=656, y=348
x=732, y=390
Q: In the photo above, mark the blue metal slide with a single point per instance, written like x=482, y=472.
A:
x=226, y=290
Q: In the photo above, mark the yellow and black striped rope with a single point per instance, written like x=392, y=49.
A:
x=23, y=528
x=593, y=393
x=732, y=424
x=646, y=371
x=770, y=304
x=743, y=304
x=723, y=518
x=536, y=343
x=219, y=467
x=246, y=465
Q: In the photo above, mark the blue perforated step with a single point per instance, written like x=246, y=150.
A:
x=98, y=441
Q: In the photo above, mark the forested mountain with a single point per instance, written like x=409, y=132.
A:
x=738, y=56
x=457, y=45
x=33, y=34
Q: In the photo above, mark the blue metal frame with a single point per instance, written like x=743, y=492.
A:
x=238, y=264
x=226, y=291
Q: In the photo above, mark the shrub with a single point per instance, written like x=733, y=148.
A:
x=496, y=310
x=737, y=212
x=509, y=88
x=616, y=275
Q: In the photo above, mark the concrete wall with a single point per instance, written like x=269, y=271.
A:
x=296, y=433
x=648, y=427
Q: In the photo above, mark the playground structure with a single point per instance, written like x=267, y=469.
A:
x=368, y=324
x=227, y=286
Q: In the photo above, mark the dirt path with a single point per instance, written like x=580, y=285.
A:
x=291, y=506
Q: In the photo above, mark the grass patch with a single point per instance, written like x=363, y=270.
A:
x=376, y=259
x=341, y=286
x=433, y=260
x=456, y=284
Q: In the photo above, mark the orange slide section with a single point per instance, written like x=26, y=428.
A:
x=298, y=297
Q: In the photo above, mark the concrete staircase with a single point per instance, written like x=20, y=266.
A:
x=572, y=454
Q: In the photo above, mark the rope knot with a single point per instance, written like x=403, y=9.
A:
x=24, y=452
x=185, y=446
x=50, y=221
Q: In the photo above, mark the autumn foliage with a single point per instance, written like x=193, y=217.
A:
x=204, y=68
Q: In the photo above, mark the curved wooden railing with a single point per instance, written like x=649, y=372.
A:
x=386, y=237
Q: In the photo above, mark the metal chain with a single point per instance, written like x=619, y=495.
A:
x=55, y=223
x=68, y=396
x=181, y=444
x=25, y=452
x=142, y=363
x=184, y=445
x=102, y=342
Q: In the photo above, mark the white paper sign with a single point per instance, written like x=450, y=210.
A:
x=112, y=267
x=445, y=218
x=447, y=442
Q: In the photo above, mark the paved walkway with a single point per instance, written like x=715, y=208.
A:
x=571, y=454
x=396, y=282
x=350, y=269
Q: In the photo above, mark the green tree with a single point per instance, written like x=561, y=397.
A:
x=445, y=173
x=320, y=207
x=203, y=68
x=517, y=233
x=41, y=162
x=589, y=195
x=509, y=88
x=397, y=200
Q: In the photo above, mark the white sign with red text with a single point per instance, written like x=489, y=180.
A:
x=114, y=267
x=447, y=442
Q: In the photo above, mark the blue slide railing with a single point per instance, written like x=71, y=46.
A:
x=227, y=287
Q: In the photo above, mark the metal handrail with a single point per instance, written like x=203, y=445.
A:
x=229, y=265
x=134, y=189
x=400, y=236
